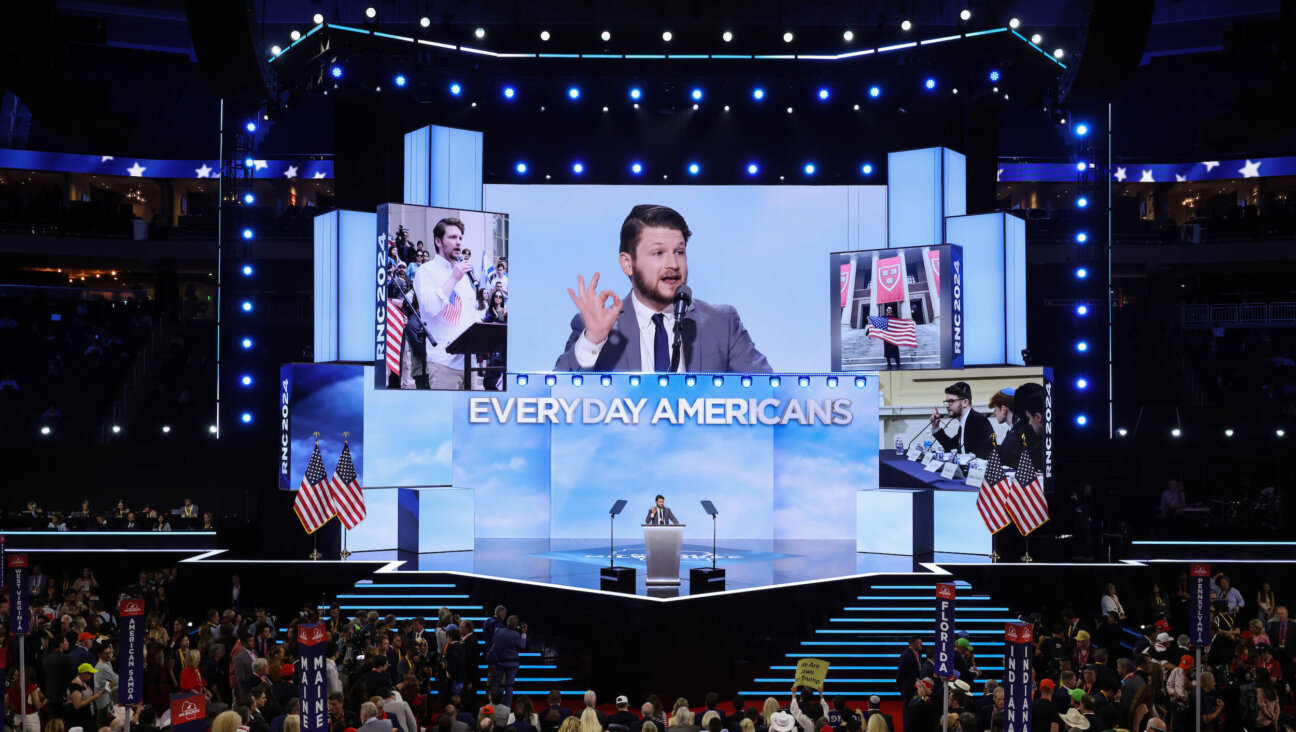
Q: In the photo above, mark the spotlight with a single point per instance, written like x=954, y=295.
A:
x=248, y=162
x=727, y=36
x=605, y=380
x=1082, y=129
x=1081, y=273
x=1228, y=432
x=247, y=270
x=116, y=429
x=45, y=430
x=425, y=22
x=866, y=169
x=875, y=91
x=247, y=306
x=848, y=36
x=930, y=83
x=1081, y=346
x=634, y=380
x=246, y=343
x=249, y=199
x=1014, y=23
x=318, y=18
x=551, y=380
x=275, y=50
x=667, y=36
x=1122, y=432
x=717, y=381
x=1280, y=432
x=1082, y=384
x=247, y=417
x=787, y=37
x=606, y=35
x=746, y=381
x=522, y=379
x=690, y=380
x=803, y=381
x=1082, y=202
x=606, y=109
x=752, y=169
x=400, y=80
x=1037, y=39
x=906, y=25
x=521, y=168
x=251, y=126
x=636, y=168
x=371, y=13
x=696, y=94
x=954, y=90
x=1080, y=166
x=544, y=35
x=509, y=92
x=1082, y=237
x=831, y=381
x=758, y=93
x=480, y=33
x=823, y=94
x=166, y=429
x=965, y=15
x=775, y=381
x=1058, y=53
x=635, y=93
x=455, y=89
x=578, y=380
x=663, y=380
x=247, y=380
x=573, y=93
x=336, y=71
x=694, y=169
x=211, y=429
x=994, y=75
x=1082, y=420
x=578, y=168
x=1176, y=432
x=247, y=233
x=295, y=35
x=1082, y=309
x=861, y=382
x=809, y=168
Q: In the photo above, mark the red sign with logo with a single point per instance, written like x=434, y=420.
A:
x=845, y=283
x=945, y=591
x=1018, y=633
x=131, y=608
x=17, y=560
x=889, y=286
x=188, y=709
x=934, y=257
x=309, y=635
x=1199, y=570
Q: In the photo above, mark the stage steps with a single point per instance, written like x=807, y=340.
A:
x=863, y=640
x=405, y=596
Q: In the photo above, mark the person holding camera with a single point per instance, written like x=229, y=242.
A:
x=507, y=644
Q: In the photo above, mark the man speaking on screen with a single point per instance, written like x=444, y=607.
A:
x=641, y=337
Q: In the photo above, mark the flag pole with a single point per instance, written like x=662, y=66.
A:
x=315, y=552
x=1027, y=557
x=345, y=553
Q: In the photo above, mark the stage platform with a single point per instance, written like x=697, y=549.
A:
x=575, y=563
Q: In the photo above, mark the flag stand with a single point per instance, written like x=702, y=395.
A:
x=345, y=553
x=1027, y=557
x=315, y=553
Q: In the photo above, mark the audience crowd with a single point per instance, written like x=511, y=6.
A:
x=185, y=517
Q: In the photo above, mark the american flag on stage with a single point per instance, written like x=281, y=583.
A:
x=344, y=491
x=312, y=505
x=395, y=335
x=1026, y=496
x=991, y=498
x=899, y=331
x=453, y=308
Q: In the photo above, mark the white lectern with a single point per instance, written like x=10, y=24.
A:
x=663, y=544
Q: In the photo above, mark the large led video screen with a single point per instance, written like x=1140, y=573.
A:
x=752, y=257
x=442, y=299
x=897, y=309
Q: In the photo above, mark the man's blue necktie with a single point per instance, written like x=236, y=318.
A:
x=661, y=351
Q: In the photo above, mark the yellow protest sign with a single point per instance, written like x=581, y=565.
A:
x=811, y=672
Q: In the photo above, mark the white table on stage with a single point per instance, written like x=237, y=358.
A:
x=663, y=544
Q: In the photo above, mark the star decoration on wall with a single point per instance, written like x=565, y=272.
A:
x=1119, y=175
x=105, y=158
x=136, y=170
x=204, y=171
x=1146, y=177
x=291, y=172
x=258, y=164
x=1180, y=178
x=319, y=175
x=1211, y=164
x=1250, y=170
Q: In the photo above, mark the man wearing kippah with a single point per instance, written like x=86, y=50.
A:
x=974, y=433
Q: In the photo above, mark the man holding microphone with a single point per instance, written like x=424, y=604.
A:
x=445, y=290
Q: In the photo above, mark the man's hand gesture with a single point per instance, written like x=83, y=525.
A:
x=592, y=304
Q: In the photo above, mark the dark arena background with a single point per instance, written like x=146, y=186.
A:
x=946, y=350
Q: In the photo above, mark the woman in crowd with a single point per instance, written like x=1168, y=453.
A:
x=1110, y=603
x=589, y=721
x=1268, y=708
x=1142, y=709
x=161, y=524
x=154, y=632
x=226, y=722
x=36, y=702
x=1159, y=603
x=1265, y=602
x=767, y=711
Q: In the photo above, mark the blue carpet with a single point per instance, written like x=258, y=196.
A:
x=690, y=555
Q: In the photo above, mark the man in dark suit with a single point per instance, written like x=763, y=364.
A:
x=659, y=514
x=908, y=668
x=641, y=337
x=1282, y=635
x=472, y=659
x=974, y=433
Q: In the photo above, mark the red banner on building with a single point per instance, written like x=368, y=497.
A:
x=889, y=285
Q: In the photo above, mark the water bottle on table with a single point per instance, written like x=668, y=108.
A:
x=899, y=444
